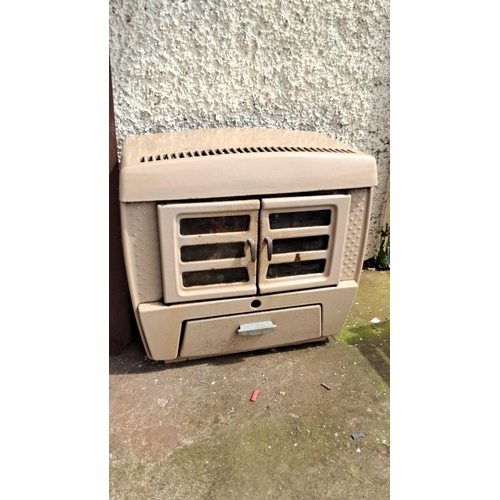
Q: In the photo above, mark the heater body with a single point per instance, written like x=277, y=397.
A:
x=242, y=239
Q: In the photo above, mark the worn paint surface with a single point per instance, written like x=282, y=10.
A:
x=300, y=64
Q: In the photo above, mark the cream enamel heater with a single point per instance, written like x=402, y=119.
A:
x=242, y=239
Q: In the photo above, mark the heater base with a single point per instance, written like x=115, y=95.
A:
x=201, y=329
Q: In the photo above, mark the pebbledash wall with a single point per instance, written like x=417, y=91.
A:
x=292, y=64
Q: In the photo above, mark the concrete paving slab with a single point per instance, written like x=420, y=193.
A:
x=189, y=430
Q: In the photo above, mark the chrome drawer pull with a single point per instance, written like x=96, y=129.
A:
x=256, y=328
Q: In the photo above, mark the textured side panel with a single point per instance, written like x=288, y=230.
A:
x=141, y=234
x=356, y=228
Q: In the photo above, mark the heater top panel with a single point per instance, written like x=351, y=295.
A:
x=215, y=163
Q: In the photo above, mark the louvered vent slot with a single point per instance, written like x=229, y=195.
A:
x=306, y=244
x=300, y=219
x=215, y=251
x=215, y=276
x=210, y=225
x=295, y=269
x=233, y=151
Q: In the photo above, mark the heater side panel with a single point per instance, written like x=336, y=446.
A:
x=142, y=251
x=357, y=228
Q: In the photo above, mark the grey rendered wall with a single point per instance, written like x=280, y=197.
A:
x=298, y=64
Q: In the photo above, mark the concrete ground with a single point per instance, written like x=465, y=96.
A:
x=189, y=431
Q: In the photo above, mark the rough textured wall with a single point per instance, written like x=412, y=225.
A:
x=298, y=64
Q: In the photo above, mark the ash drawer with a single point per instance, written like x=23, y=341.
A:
x=244, y=332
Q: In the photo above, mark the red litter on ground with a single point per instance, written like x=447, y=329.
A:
x=254, y=395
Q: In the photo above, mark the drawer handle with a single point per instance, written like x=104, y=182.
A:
x=256, y=328
x=253, y=250
x=269, y=242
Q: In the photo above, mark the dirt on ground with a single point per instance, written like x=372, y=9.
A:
x=318, y=429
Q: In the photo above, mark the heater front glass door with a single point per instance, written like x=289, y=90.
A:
x=301, y=240
x=208, y=250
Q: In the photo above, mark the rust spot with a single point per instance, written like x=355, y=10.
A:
x=297, y=257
